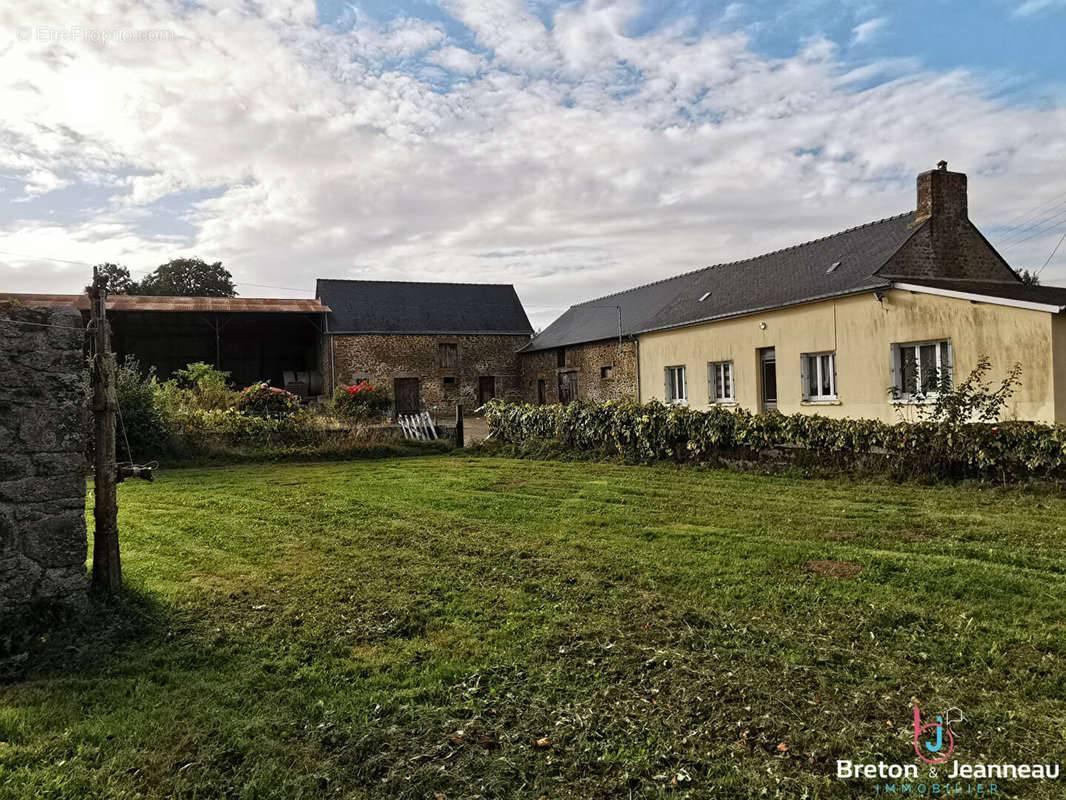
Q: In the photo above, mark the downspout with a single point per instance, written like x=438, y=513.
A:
x=636, y=355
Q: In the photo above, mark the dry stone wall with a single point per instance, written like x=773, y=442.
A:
x=42, y=462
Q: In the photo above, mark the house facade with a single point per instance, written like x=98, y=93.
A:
x=433, y=345
x=864, y=323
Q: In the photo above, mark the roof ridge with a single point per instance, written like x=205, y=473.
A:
x=742, y=260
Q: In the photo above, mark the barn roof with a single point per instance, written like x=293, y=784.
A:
x=397, y=307
x=122, y=302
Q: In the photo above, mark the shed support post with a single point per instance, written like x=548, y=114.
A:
x=459, y=439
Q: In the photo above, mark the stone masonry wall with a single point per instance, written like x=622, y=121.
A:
x=587, y=361
x=381, y=358
x=42, y=464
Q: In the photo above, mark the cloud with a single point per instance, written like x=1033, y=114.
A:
x=865, y=31
x=458, y=60
x=1031, y=8
x=571, y=158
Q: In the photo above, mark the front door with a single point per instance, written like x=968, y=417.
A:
x=486, y=389
x=768, y=375
x=406, y=392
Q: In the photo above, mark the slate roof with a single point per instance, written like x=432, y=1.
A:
x=394, y=307
x=797, y=274
x=125, y=302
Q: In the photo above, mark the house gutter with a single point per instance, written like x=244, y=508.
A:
x=979, y=298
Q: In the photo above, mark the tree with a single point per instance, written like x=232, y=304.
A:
x=117, y=278
x=188, y=277
x=1029, y=278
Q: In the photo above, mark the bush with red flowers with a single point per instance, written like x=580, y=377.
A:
x=264, y=400
x=361, y=402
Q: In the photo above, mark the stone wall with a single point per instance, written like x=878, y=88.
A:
x=382, y=358
x=602, y=371
x=42, y=463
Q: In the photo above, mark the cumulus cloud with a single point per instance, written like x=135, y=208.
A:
x=456, y=59
x=571, y=159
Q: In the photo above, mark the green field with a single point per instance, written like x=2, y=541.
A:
x=479, y=627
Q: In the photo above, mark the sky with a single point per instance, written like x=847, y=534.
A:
x=572, y=149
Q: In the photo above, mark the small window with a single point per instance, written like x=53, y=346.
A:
x=676, y=389
x=921, y=370
x=560, y=357
x=720, y=382
x=449, y=355
x=449, y=384
x=819, y=376
x=606, y=373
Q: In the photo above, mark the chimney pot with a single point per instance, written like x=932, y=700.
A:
x=942, y=194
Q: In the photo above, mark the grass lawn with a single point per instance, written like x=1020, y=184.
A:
x=479, y=627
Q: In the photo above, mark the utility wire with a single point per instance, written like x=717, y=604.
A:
x=1020, y=233
x=1025, y=216
x=1053, y=251
x=1039, y=232
x=40, y=324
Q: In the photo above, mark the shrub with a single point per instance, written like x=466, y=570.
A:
x=653, y=431
x=140, y=422
x=361, y=402
x=200, y=386
x=270, y=402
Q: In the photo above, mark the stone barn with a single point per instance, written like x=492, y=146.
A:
x=433, y=345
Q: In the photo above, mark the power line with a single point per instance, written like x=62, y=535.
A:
x=1038, y=232
x=1054, y=250
x=1036, y=224
x=1009, y=225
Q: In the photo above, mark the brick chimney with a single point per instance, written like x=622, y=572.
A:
x=942, y=194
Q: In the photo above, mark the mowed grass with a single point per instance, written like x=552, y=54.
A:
x=475, y=627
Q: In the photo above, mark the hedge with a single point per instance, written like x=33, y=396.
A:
x=653, y=431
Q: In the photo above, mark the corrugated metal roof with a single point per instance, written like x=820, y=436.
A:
x=122, y=302
x=396, y=307
x=798, y=274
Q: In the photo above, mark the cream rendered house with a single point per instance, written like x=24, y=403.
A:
x=854, y=324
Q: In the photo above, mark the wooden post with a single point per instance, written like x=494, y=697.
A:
x=107, y=567
x=459, y=440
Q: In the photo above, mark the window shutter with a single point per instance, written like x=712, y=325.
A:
x=893, y=361
x=804, y=377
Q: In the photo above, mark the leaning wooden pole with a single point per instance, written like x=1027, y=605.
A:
x=107, y=566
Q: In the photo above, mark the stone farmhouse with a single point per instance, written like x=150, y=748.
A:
x=854, y=324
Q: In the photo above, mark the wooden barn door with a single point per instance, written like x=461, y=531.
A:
x=406, y=392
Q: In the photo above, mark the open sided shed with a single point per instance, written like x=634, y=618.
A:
x=252, y=338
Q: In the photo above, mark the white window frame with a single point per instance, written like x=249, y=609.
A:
x=673, y=385
x=713, y=368
x=819, y=364
x=943, y=349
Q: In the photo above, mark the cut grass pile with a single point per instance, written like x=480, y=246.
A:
x=480, y=627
